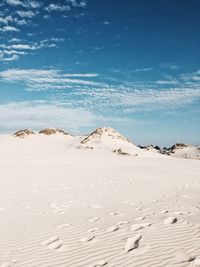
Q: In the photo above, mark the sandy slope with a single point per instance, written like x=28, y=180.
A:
x=187, y=152
x=65, y=205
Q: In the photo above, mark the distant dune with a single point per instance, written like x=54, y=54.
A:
x=178, y=150
x=106, y=138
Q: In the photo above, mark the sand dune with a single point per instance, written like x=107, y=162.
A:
x=63, y=205
x=178, y=150
x=185, y=151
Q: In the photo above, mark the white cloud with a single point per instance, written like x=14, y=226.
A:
x=15, y=2
x=26, y=14
x=143, y=70
x=57, y=7
x=88, y=75
x=48, y=79
x=12, y=57
x=171, y=66
x=15, y=40
x=9, y=29
x=23, y=47
x=194, y=76
x=166, y=82
x=34, y=4
x=14, y=75
x=83, y=4
x=76, y=3
x=14, y=20
x=21, y=22
x=11, y=52
x=27, y=3
x=6, y=19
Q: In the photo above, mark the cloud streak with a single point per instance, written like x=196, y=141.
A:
x=9, y=29
x=48, y=79
x=20, y=49
x=86, y=90
x=56, y=7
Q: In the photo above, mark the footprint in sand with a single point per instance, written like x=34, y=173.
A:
x=95, y=229
x=181, y=212
x=113, y=228
x=95, y=219
x=170, y=220
x=95, y=206
x=100, y=263
x=181, y=256
x=127, y=202
x=62, y=226
x=87, y=239
x=122, y=223
x=113, y=213
x=196, y=262
x=139, y=226
x=138, y=208
x=163, y=211
x=155, y=200
x=53, y=243
x=140, y=218
x=149, y=213
x=56, y=208
x=132, y=242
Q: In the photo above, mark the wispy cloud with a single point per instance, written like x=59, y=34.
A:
x=143, y=70
x=18, y=48
x=77, y=3
x=14, y=2
x=194, y=76
x=26, y=14
x=87, y=91
x=6, y=19
x=57, y=7
x=69, y=4
x=171, y=66
x=167, y=82
x=9, y=29
x=8, y=57
x=48, y=79
x=27, y=3
x=127, y=99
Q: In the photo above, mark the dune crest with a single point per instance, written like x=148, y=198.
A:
x=51, y=131
x=23, y=133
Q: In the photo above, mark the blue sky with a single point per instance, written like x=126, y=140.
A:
x=133, y=65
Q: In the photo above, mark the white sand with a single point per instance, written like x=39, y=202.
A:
x=64, y=204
